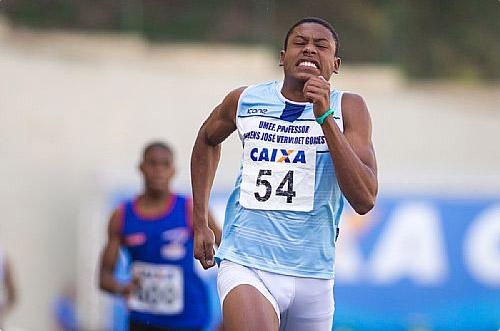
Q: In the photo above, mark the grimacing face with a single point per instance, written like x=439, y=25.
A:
x=157, y=168
x=310, y=52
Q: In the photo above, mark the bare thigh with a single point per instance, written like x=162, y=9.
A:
x=246, y=309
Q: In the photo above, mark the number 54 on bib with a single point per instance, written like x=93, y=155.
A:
x=278, y=177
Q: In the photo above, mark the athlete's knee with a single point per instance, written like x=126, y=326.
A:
x=245, y=308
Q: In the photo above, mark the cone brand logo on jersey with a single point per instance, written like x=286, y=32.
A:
x=256, y=110
x=278, y=155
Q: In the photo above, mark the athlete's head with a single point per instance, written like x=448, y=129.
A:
x=311, y=49
x=157, y=166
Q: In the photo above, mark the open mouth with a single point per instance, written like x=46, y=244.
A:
x=308, y=64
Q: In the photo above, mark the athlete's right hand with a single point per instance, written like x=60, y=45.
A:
x=127, y=290
x=204, y=241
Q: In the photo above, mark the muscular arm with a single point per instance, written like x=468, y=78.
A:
x=212, y=224
x=9, y=284
x=353, y=153
x=204, y=161
x=109, y=256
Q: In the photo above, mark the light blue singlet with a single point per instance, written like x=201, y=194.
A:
x=283, y=213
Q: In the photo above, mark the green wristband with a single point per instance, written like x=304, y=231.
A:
x=323, y=117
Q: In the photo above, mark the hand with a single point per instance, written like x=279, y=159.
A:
x=204, y=240
x=317, y=91
x=127, y=290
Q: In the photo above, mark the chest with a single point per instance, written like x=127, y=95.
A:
x=168, y=236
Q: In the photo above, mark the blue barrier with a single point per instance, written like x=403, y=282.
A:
x=413, y=263
x=420, y=263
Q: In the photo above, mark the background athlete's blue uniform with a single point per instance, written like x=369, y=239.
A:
x=167, y=240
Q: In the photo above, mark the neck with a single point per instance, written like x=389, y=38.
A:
x=156, y=195
x=293, y=90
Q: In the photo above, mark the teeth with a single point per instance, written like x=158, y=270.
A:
x=308, y=64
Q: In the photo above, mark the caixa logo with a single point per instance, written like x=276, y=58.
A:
x=256, y=110
x=278, y=155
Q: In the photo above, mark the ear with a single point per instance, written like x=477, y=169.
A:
x=282, y=58
x=336, y=65
x=173, y=171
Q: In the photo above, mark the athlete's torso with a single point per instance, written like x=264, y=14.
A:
x=161, y=249
x=283, y=213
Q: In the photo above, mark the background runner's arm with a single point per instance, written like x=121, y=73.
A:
x=9, y=284
x=204, y=160
x=109, y=257
x=355, y=163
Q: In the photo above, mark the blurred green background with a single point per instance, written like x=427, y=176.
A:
x=428, y=39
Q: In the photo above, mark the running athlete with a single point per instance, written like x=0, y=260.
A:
x=305, y=147
x=7, y=287
x=165, y=292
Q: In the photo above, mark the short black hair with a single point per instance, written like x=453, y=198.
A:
x=157, y=144
x=316, y=20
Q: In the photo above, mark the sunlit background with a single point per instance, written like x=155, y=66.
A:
x=85, y=84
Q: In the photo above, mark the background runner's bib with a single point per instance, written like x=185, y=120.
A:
x=160, y=290
x=278, y=177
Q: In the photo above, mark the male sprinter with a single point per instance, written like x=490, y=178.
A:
x=305, y=146
x=7, y=287
x=155, y=228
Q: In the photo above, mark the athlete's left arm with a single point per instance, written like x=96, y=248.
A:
x=352, y=151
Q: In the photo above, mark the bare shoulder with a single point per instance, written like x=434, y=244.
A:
x=353, y=102
x=235, y=94
x=230, y=102
x=222, y=121
x=116, y=215
x=354, y=109
x=116, y=222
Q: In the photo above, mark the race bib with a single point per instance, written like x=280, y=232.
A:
x=161, y=289
x=278, y=176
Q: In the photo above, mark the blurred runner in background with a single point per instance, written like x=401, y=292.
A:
x=165, y=292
